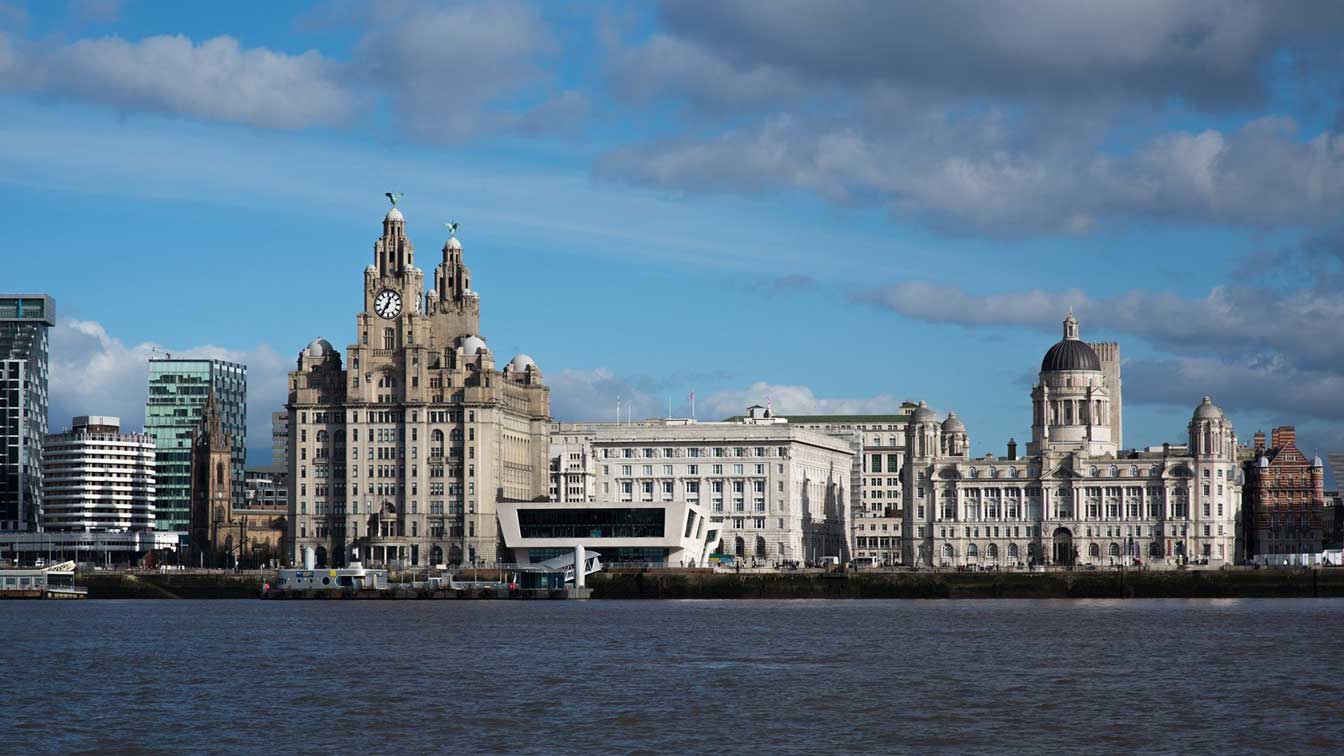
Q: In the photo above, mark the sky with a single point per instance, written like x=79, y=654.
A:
x=835, y=207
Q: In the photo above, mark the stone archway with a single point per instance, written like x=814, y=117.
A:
x=436, y=555
x=321, y=556
x=1063, y=551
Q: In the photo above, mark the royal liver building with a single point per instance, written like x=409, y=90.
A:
x=400, y=454
x=1075, y=497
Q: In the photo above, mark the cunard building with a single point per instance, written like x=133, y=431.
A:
x=1076, y=496
x=399, y=452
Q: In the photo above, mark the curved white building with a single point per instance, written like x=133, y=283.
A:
x=98, y=479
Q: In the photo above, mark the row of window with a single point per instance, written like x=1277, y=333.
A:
x=669, y=452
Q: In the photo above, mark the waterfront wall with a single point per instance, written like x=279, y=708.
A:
x=697, y=584
x=1192, y=584
x=171, y=585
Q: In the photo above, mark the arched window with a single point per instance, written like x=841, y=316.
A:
x=219, y=473
x=1115, y=471
x=760, y=547
x=1093, y=472
x=993, y=472
x=1012, y=472
x=321, y=437
x=1113, y=550
x=740, y=547
x=971, y=473
x=1133, y=471
x=1093, y=550
x=972, y=551
x=436, y=443
x=1012, y=551
x=992, y=551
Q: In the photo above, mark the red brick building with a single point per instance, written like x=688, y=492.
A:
x=1284, y=497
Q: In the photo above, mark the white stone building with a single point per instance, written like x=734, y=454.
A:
x=780, y=493
x=878, y=441
x=98, y=479
x=1075, y=497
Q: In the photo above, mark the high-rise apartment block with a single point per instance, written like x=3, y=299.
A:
x=24, y=320
x=178, y=389
x=98, y=479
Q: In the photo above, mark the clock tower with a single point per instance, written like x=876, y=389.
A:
x=399, y=456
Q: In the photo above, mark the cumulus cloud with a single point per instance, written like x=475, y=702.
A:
x=94, y=373
x=454, y=71
x=1008, y=120
x=1207, y=52
x=1230, y=321
x=977, y=176
x=592, y=394
x=217, y=79
x=1270, y=346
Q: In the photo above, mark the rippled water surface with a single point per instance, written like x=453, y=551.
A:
x=715, y=677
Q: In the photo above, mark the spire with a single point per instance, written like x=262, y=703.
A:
x=1070, y=326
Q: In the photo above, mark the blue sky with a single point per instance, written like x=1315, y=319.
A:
x=834, y=206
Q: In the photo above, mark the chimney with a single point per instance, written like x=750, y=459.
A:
x=1259, y=441
x=1012, y=448
x=1284, y=435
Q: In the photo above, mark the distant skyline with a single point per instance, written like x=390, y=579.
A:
x=836, y=207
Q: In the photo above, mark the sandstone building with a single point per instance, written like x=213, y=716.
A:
x=399, y=453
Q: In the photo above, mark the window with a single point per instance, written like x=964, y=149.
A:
x=389, y=339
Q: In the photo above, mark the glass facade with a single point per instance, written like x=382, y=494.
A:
x=24, y=320
x=608, y=554
x=643, y=522
x=177, y=394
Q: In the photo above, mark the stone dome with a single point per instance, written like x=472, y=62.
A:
x=319, y=348
x=472, y=344
x=1070, y=354
x=394, y=215
x=1207, y=410
x=373, y=269
x=522, y=362
x=953, y=424
x=923, y=414
x=453, y=243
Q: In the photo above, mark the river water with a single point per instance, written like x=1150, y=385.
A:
x=705, y=677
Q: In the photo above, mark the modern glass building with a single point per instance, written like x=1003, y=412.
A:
x=24, y=320
x=177, y=392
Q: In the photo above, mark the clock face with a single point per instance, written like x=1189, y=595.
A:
x=387, y=304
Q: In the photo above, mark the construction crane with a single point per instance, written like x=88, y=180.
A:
x=156, y=350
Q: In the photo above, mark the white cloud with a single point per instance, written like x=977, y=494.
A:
x=592, y=395
x=94, y=373
x=217, y=79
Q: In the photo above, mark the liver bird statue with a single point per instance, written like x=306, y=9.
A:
x=394, y=196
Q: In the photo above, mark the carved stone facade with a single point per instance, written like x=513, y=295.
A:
x=399, y=455
x=1076, y=496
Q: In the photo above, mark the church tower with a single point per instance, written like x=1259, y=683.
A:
x=211, y=486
